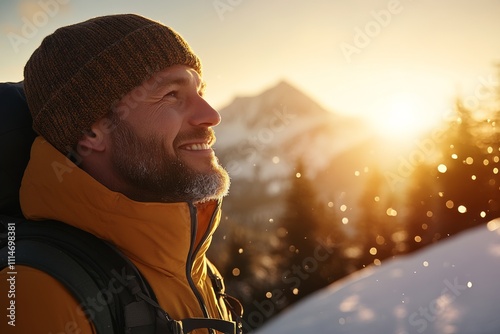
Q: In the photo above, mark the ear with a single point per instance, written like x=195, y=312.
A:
x=95, y=139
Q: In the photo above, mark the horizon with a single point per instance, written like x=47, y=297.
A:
x=399, y=64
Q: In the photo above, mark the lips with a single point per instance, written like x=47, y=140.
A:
x=200, y=144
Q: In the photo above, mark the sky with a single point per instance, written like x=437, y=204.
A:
x=400, y=61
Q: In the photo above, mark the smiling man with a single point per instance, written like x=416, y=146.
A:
x=167, y=132
x=124, y=152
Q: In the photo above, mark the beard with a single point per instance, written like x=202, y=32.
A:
x=153, y=175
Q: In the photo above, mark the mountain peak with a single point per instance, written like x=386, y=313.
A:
x=281, y=123
x=286, y=90
x=279, y=96
x=284, y=85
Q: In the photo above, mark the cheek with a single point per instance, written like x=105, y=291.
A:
x=167, y=127
x=164, y=124
x=167, y=134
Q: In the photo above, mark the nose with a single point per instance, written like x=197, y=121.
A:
x=204, y=114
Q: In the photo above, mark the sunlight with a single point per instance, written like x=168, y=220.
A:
x=401, y=116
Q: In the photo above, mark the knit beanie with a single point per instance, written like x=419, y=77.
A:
x=78, y=72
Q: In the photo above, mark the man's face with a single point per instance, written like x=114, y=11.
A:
x=162, y=145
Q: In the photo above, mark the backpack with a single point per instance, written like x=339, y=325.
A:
x=87, y=266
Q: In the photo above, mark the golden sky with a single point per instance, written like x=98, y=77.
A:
x=369, y=57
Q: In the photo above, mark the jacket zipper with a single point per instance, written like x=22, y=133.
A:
x=192, y=253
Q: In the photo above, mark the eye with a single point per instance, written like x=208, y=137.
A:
x=172, y=93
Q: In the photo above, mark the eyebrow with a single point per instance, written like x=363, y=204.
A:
x=182, y=81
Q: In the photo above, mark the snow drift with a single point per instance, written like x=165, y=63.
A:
x=450, y=287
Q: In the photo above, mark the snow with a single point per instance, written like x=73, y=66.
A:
x=450, y=287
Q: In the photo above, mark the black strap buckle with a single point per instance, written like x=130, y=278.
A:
x=176, y=327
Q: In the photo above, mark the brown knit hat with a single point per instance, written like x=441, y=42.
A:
x=79, y=71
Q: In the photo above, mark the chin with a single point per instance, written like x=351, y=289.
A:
x=212, y=186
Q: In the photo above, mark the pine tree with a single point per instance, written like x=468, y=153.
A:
x=421, y=202
x=378, y=232
x=468, y=182
x=310, y=241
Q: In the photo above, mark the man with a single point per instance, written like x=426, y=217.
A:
x=125, y=153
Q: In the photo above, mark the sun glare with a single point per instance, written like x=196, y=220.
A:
x=401, y=116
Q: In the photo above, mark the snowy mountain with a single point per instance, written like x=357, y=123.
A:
x=261, y=139
x=451, y=287
x=265, y=135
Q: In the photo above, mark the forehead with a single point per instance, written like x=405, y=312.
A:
x=176, y=75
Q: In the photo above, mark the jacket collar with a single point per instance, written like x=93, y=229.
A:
x=159, y=235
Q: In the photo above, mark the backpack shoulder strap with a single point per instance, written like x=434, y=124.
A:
x=69, y=255
x=50, y=259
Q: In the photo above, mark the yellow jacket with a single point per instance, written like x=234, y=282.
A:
x=166, y=241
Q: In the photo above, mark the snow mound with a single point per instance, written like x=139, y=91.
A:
x=451, y=287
